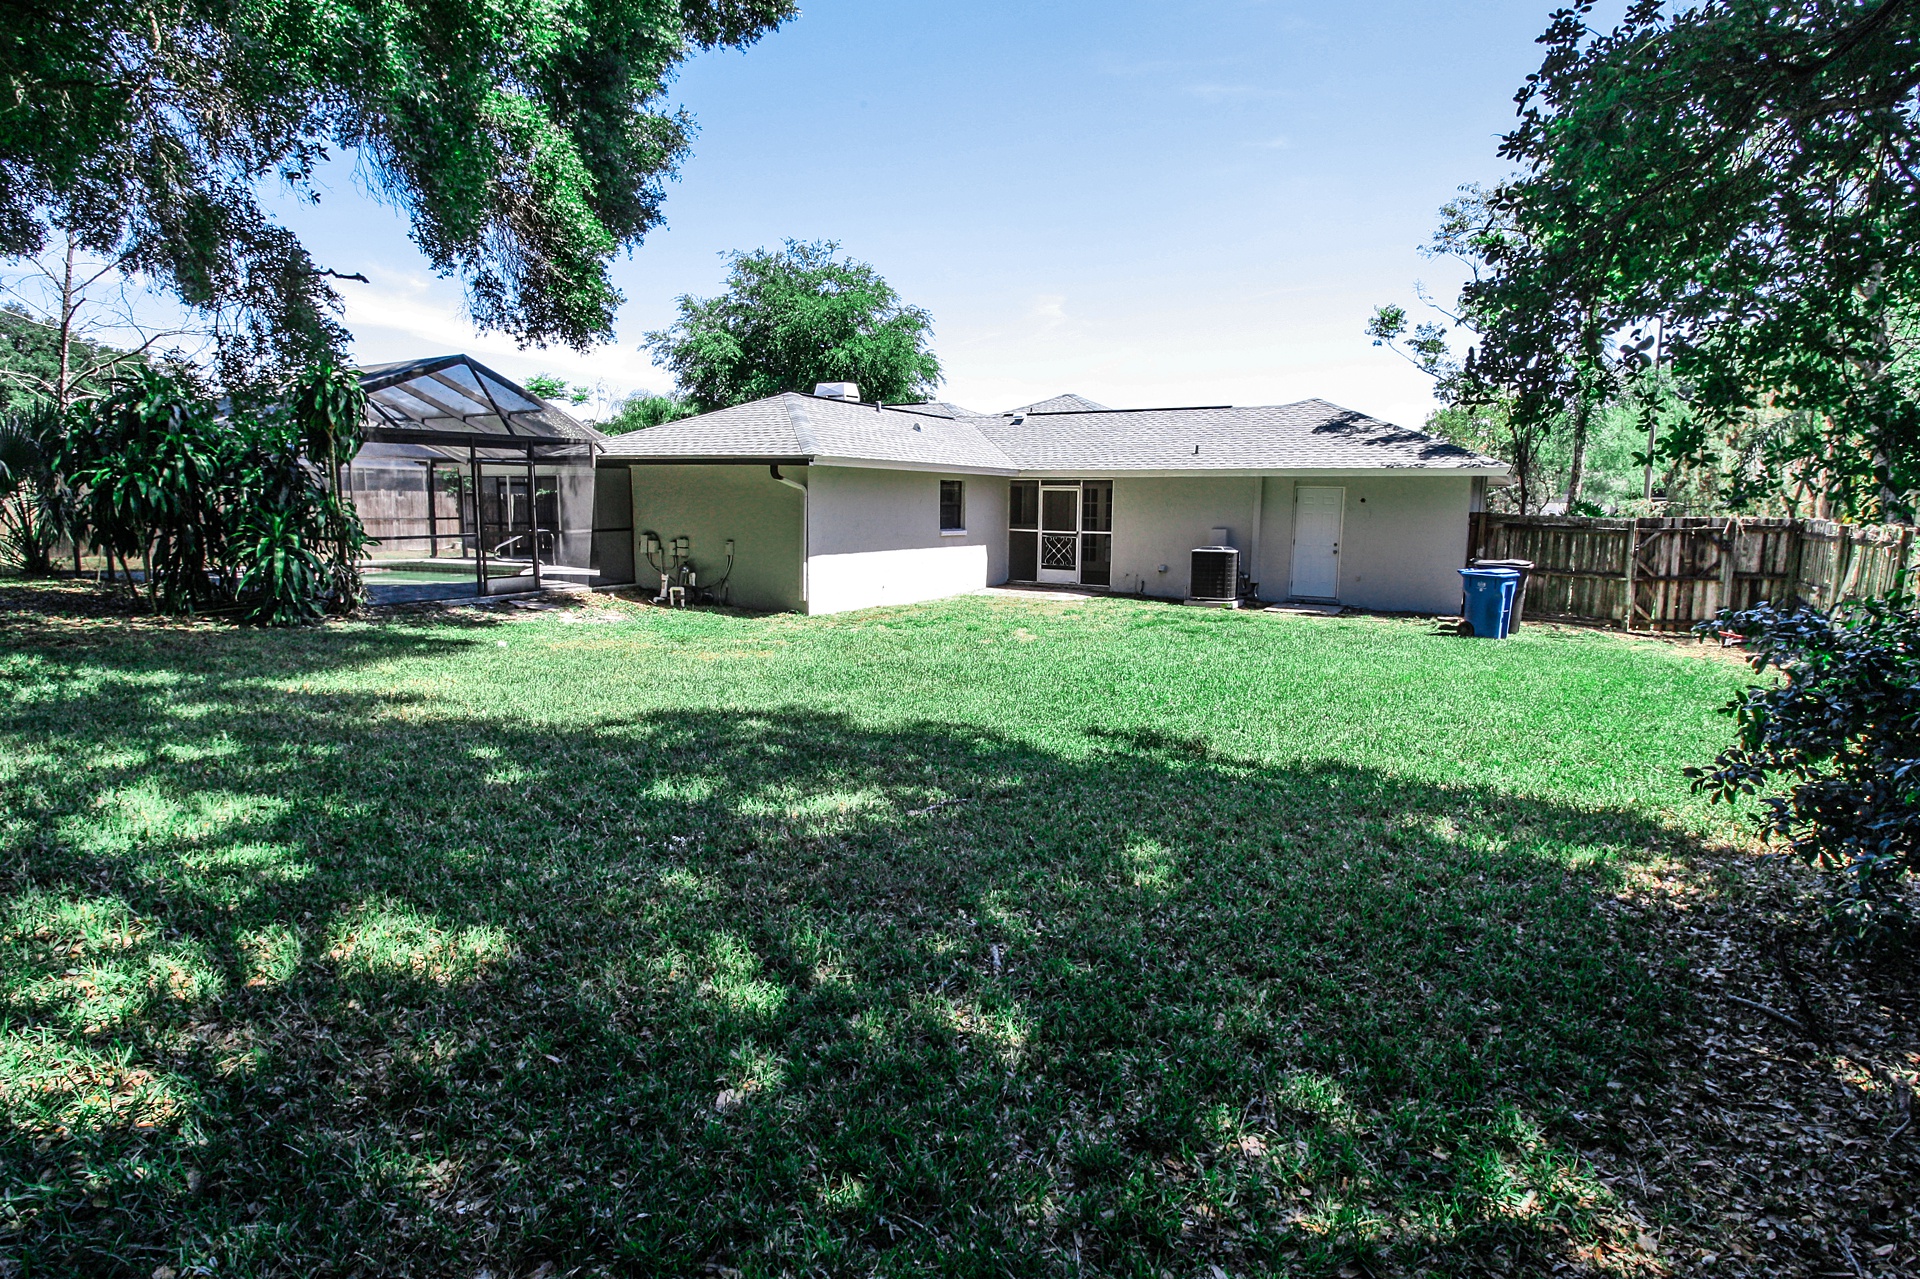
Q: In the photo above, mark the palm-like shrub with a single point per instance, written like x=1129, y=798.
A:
x=241, y=513
x=327, y=407
x=36, y=509
x=151, y=459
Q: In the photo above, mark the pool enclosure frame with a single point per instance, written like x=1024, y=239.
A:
x=505, y=452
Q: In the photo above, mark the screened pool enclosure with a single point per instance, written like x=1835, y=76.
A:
x=473, y=485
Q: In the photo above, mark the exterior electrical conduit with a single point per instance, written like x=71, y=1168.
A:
x=805, y=514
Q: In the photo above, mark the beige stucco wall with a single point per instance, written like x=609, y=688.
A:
x=711, y=504
x=1403, y=540
x=1160, y=521
x=874, y=538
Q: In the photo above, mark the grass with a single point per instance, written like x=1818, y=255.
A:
x=987, y=937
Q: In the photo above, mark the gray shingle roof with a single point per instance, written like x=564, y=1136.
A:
x=758, y=428
x=1309, y=435
x=794, y=426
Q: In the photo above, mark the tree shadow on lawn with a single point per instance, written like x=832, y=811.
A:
x=319, y=982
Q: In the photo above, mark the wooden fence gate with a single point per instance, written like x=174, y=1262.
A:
x=1668, y=574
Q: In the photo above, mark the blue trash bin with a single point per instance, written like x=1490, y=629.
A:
x=1488, y=607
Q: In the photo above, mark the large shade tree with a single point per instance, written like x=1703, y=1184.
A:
x=1534, y=365
x=792, y=318
x=1738, y=179
x=527, y=144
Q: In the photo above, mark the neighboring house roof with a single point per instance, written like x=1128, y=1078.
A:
x=1311, y=435
x=1068, y=403
x=939, y=408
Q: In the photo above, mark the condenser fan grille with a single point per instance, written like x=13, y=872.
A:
x=1216, y=573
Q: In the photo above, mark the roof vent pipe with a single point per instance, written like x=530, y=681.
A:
x=838, y=391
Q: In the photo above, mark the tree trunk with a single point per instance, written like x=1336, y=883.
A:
x=1582, y=415
x=1523, y=468
x=1892, y=509
x=1878, y=371
x=61, y=391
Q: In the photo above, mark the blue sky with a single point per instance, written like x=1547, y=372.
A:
x=1146, y=203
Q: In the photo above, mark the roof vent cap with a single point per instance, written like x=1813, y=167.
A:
x=838, y=391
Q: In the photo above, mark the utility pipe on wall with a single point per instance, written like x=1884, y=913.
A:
x=1253, y=545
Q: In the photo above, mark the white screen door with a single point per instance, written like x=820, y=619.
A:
x=1059, y=534
x=1317, y=515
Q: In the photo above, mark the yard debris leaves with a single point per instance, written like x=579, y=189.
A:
x=1762, y=1150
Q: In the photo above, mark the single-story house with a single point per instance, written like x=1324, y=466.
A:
x=821, y=503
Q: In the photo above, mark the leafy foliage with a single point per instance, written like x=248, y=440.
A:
x=282, y=539
x=637, y=412
x=328, y=408
x=793, y=319
x=36, y=508
x=1843, y=728
x=30, y=360
x=549, y=387
x=1736, y=180
x=148, y=459
x=527, y=145
x=238, y=514
x=1538, y=369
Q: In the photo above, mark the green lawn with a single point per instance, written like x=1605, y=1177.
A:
x=985, y=937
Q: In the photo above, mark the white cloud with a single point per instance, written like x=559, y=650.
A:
x=406, y=315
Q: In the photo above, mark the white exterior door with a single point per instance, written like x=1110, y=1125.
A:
x=1318, y=513
x=1059, y=534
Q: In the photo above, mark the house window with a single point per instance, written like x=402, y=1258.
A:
x=953, y=506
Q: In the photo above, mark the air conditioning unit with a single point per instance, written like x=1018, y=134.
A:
x=1216, y=577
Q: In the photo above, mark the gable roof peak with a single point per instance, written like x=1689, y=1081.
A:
x=1065, y=402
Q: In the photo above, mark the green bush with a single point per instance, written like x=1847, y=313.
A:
x=638, y=412
x=35, y=504
x=237, y=514
x=1843, y=730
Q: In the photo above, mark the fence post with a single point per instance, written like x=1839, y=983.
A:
x=1633, y=556
x=1729, y=562
x=1797, y=567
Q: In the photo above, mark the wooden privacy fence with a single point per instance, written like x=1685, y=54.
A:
x=1667, y=574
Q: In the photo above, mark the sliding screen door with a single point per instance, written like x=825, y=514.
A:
x=1023, y=531
x=1059, y=533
